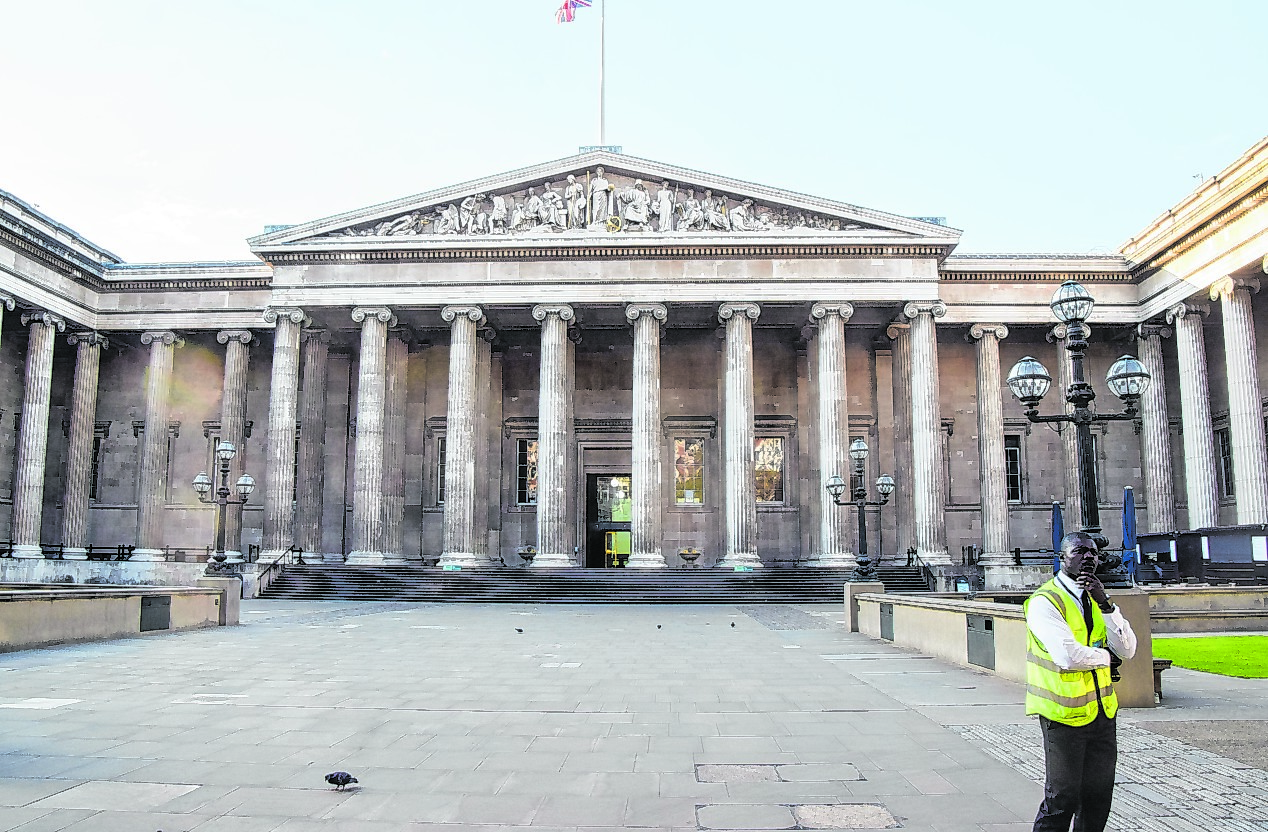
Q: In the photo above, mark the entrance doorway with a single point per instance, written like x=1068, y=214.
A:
x=607, y=520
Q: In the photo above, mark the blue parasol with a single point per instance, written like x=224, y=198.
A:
x=1058, y=532
x=1130, y=553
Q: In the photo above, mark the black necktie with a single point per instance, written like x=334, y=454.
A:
x=1087, y=615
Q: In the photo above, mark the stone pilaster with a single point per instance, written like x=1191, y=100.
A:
x=833, y=430
x=904, y=482
x=738, y=474
x=992, y=471
x=367, y=493
x=152, y=480
x=1073, y=502
x=28, y=476
x=397, y=393
x=646, y=485
x=279, y=460
x=1195, y=415
x=6, y=302
x=1155, y=430
x=928, y=458
x=554, y=537
x=459, y=532
x=1245, y=411
x=312, y=440
x=233, y=425
x=83, y=414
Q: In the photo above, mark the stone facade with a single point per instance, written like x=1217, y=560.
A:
x=695, y=380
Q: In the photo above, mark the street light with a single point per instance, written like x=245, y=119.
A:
x=1029, y=381
x=225, y=452
x=864, y=571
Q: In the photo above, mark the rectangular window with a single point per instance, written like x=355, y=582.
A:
x=688, y=471
x=1224, y=461
x=526, y=472
x=95, y=470
x=768, y=454
x=1012, y=466
x=440, y=471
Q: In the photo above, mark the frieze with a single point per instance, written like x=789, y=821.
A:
x=597, y=202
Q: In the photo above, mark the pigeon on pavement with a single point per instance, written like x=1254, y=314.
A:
x=340, y=779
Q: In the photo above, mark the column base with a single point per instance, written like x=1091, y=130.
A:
x=236, y=557
x=733, y=559
x=646, y=560
x=365, y=558
x=74, y=553
x=27, y=551
x=835, y=560
x=144, y=555
x=464, y=560
x=547, y=560
x=936, y=557
x=395, y=559
x=328, y=557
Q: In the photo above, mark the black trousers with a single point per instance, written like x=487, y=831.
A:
x=1080, y=765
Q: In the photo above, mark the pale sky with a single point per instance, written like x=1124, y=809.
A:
x=172, y=131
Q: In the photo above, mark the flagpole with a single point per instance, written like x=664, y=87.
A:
x=602, y=64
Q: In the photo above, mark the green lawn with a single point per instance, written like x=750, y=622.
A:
x=1242, y=656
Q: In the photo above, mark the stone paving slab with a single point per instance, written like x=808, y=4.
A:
x=591, y=718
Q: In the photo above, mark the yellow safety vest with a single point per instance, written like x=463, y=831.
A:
x=1067, y=696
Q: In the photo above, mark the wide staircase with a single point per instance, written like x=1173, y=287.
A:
x=574, y=586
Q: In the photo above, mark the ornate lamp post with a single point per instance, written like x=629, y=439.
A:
x=1127, y=379
x=864, y=571
x=225, y=452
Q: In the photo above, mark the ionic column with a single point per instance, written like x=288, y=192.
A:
x=900, y=363
x=485, y=337
x=397, y=390
x=739, y=484
x=152, y=480
x=312, y=440
x=458, y=541
x=928, y=463
x=1245, y=411
x=233, y=424
x=1069, y=436
x=646, y=486
x=1156, y=433
x=834, y=431
x=279, y=461
x=554, y=538
x=28, y=477
x=367, y=493
x=992, y=472
x=1195, y=415
x=83, y=414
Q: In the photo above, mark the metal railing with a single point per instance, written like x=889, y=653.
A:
x=293, y=555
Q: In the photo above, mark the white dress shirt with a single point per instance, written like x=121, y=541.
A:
x=1048, y=625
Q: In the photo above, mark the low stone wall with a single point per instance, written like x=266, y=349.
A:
x=939, y=627
x=38, y=616
x=1208, y=609
x=114, y=572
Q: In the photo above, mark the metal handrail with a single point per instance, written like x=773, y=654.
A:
x=931, y=580
x=290, y=556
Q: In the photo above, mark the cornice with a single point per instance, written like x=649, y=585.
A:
x=1085, y=268
x=1200, y=233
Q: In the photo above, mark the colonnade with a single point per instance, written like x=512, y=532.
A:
x=292, y=510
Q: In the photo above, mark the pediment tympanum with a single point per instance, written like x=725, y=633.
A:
x=599, y=195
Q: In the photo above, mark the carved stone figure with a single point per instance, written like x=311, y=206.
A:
x=740, y=217
x=663, y=208
x=519, y=217
x=575, y=201
x=552, y=207
x=467, y=213
x=600, y=198
x=715, y=212
x=447, y=222
x=402, y=226
x=497, y=215
x=692, y=215
x=533, y=209
x=635, y=206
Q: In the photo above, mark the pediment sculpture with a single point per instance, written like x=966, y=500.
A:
x=594, y=201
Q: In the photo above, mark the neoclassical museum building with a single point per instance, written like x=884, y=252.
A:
x=609, y=361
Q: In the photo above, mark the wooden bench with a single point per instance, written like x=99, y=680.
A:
x=1159, y=666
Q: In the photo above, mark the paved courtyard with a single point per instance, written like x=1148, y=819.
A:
x=572, y=718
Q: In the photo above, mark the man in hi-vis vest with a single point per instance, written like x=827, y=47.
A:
x=1071, y=629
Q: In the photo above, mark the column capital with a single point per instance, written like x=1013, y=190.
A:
x=47, y=318
x=745, y=308
x=821, y=310
x=7, y=301
x=654, y=310
x=1187, y=308
x=896, y=329
x=936, y=308
x=244, y=336
x=1224, y=288
x=294, y=314
x=979, y=331
x=563, y=310
x=472, y=313
x=379, y=313
x=319, y=335
x=90, y=338
x=1154, y=330
x=165, y=336
x=1060, y=332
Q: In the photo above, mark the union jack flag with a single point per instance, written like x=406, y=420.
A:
x=568, y=10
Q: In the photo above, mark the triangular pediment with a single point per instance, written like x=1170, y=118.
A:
x=603, y=197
